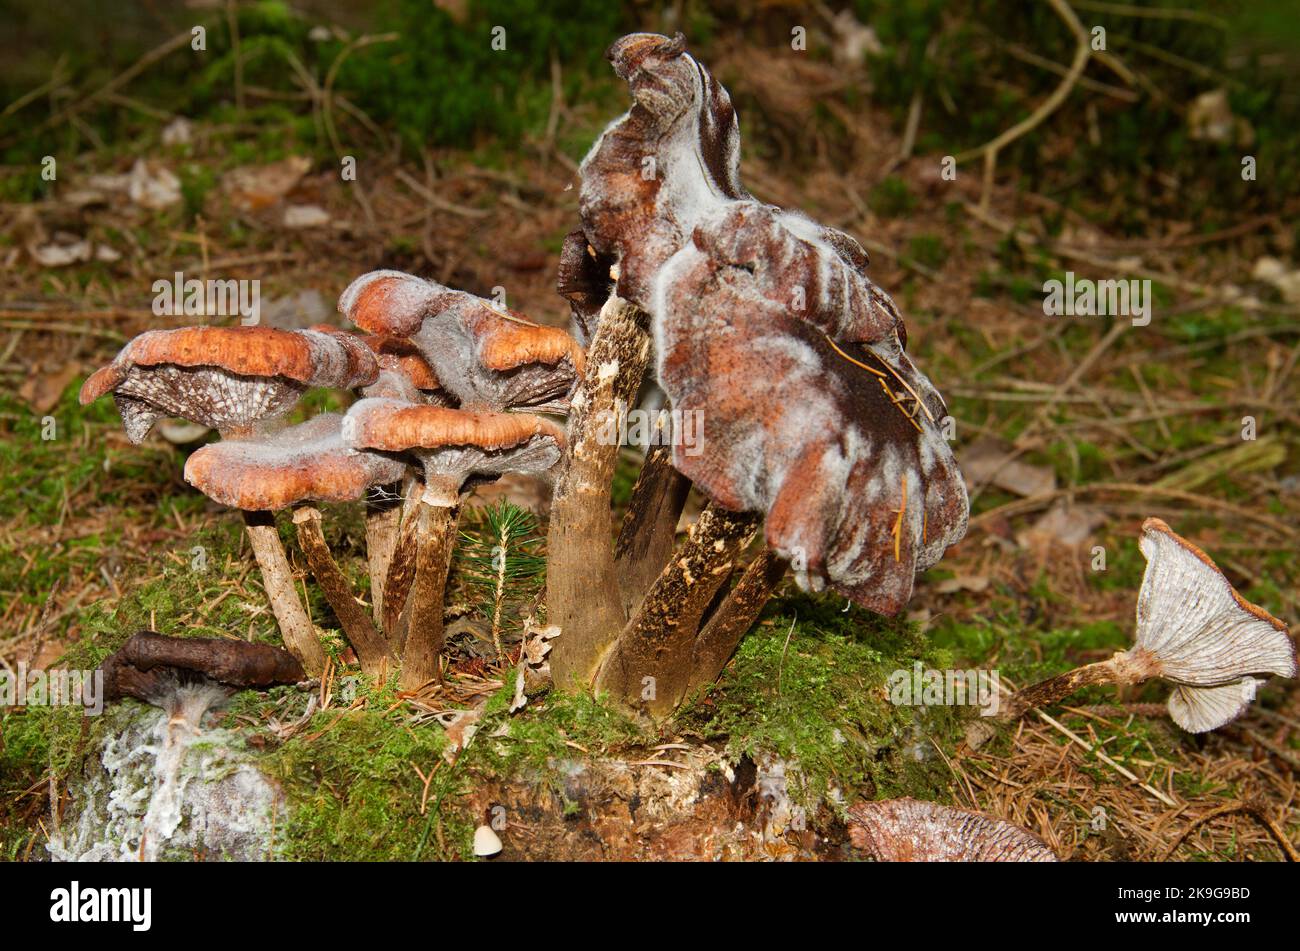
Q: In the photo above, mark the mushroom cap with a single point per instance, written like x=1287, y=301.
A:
x=485, y=356
x=394, y=426
x=275, y=470
x=908, y=830
x=838, y=443
x=225, y=377
x=455, y=444
x=683, y=120
x=400, y=355
x=311, y=357
x=1202, y=633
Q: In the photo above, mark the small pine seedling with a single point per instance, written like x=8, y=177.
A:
x=502, y=558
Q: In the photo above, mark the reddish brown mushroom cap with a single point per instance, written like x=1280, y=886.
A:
x=485, y=356
x=229, y=378
x=304, y=356
x=400, y=355
x=455, y=444
x=396, y=427
x=275, y=470
x=908, y=830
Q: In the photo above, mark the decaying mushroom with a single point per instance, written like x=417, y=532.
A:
x=766, y=323
x=1194, y=630
x=453, y=446
x=149, y=665
x=275, y=470
x=908, y=830
x=229, y=378
x=484, y=356
x=767, y=329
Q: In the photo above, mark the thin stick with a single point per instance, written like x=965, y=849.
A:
x=1254, y=810
x=114, y=84
x=990, y=149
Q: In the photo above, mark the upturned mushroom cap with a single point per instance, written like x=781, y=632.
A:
x=455, y=444
x=839, y=443
x=907, y=830
x=683, y=122
x=229, y=378
x=275, y=470
x=768, y=331
x=1202, y=634
x=486, y=357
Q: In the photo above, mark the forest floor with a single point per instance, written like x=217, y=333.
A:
x=1071, y=431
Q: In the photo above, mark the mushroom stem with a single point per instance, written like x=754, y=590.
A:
x=383, y=517
x=1123, y=668
x=649, y=530
x=582, y=589
x=372, y=651
x=436, y=537
x=401, y=568
x=734, y=617
x=277, y=578
x=650, y=662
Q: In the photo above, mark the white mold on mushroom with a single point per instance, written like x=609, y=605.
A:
x=766, y=325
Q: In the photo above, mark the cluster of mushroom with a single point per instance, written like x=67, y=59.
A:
x=440, y=378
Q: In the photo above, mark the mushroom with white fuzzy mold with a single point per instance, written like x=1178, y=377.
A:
x=1194, y=630
x=232, y=379
x=486, y=357
x=454, y=446
x=272, y=471
x=767, y=330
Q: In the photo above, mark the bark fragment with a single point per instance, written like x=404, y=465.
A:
x=147, y=663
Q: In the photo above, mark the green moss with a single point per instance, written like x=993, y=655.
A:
x=357, y=795
x=820, y=701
